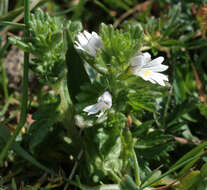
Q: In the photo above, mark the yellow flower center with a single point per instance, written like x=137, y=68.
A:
x=88, y=50
x=147, y=72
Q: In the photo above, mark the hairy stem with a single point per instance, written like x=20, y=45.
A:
x=67, y=112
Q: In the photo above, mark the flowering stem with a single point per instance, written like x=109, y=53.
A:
x=25, y=86
x=136, y=169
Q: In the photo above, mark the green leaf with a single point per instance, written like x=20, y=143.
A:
x=190, y=181
x=108, y=152
x=76, y=75
x=45, y=117
x=25, y=155
x=38, y=132
x=139, y=106
x=202, y=185
x=203, y=109
x=74, y=27
x=170, y=26
x=79, y=9
x=142, y=129
x=5, y=134
x=204, y=170
x=127, y=146
x=120, y=46
x=152, y=177
x=12, y=14
x=185, y=107
x=14, y=185
x=196, y=152
x=128, y=184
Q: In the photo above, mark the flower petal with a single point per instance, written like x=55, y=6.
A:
x=87, y=34
x=104, y=103
x=95, y=43
x=156, y=68
x=148, y=69
x=159, y=78
x=137, y=63
x=82, y=39
x=95, y=35
x=92, y=109
x=147, y=57
x=156, y=61
x=106, y=98
x=89, y=42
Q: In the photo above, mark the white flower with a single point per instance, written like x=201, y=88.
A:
x=148, y=69
x=89, y=42
x=104, y=103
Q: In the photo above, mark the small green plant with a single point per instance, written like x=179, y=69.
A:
x=113, y=105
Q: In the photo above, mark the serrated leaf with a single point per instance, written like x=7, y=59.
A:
x=75, y=27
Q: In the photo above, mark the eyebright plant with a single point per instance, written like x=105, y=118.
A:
x=104, y=84
x=116, y=68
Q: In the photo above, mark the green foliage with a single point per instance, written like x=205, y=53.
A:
x=45, y=118
x=147, y=126
x=47, y=45
x=76, y=74
x=128, y=184
x=119, y=46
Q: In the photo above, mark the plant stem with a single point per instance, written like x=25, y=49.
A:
x=4, y=7
x=67, y=111
x=25, y=86
x=14, y=24
x=4, y=80
x=4, y=76
x=136, y=169
x=166, y=108
x=115, y=177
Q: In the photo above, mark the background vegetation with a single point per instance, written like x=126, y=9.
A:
x=169, y=135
